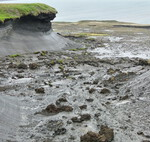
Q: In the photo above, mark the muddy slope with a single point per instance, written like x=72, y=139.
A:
x=78, y=95
x=30, y=34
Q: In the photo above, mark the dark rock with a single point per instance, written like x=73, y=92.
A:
x=19, y=76
x=11, y=65
x=90, y=100
x=124, y=98
x=33, y=66
x=107, y=132
x=61, y=100
x=22, y=66
x=53, y=109
x=96, y=81
x=90, y=137
x=60, y=131
x=83, y=107
x=143, y=62
x=66, y=108
x=105, y=91
x=84, y=117
x=40, y=90
x=105, y=135
x=92, y=90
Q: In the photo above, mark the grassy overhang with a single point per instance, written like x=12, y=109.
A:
x=14, y=11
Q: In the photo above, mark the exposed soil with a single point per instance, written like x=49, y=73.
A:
x=79, y=95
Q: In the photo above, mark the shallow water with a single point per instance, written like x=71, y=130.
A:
x=136, y=11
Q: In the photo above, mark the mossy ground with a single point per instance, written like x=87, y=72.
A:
x=13, y=11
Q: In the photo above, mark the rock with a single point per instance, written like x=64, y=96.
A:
x=84, y=117
x=92, y=90
x=11, y=65
x=53, y=109
x=60, y=131
x=96, y=81
x=112, y=71
x=61, y=100
x=22, y=66
x=90, y=137
x=90, y=100
x=83, y=107
x=143, y=62
x=66, y=108
x=105, y=91
x=40, y=90
x=105, y=135
x=33, y=66
x=107, y=132
x=124, y=98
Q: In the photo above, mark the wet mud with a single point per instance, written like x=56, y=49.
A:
x=78, y=95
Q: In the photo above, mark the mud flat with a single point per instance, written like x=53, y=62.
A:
x=94, y=92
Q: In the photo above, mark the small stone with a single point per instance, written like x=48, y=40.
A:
x=90, y=100
x=96, y=81
x=40, y=90
x=53, y=109
x=92, y=90
x=124, y=98
x=105, y=135
x=90, y=137
x=105, y=91
x=22, y=66
x=83, y=107
x=84, y=117
x=33, y=66
x=60, y=131
x=107, y=132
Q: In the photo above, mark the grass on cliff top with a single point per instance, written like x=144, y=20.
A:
x=13, y=11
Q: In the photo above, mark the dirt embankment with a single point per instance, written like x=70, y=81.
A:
x=29, y=34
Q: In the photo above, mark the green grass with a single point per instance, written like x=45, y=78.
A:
x=15, y=55
x=13, y=11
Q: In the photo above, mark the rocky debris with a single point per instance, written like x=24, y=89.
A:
x=124, y=98
x=33, y=66
x=90, y=100
x=60, y=131
x=83, y=117
x=83, y=107
x=105, y=135
x=112, y=71
x=90, y=137
x=40, y=90
x=53, y=109
x=22, y=66
x=143, y=62
x=96, y=81
x=107, y=132
x=105, y=91
x=121, y=77
x=61, y=100
x=12, y=65
x=92, y=90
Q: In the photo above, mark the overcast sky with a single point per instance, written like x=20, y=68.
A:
x=122, y=10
